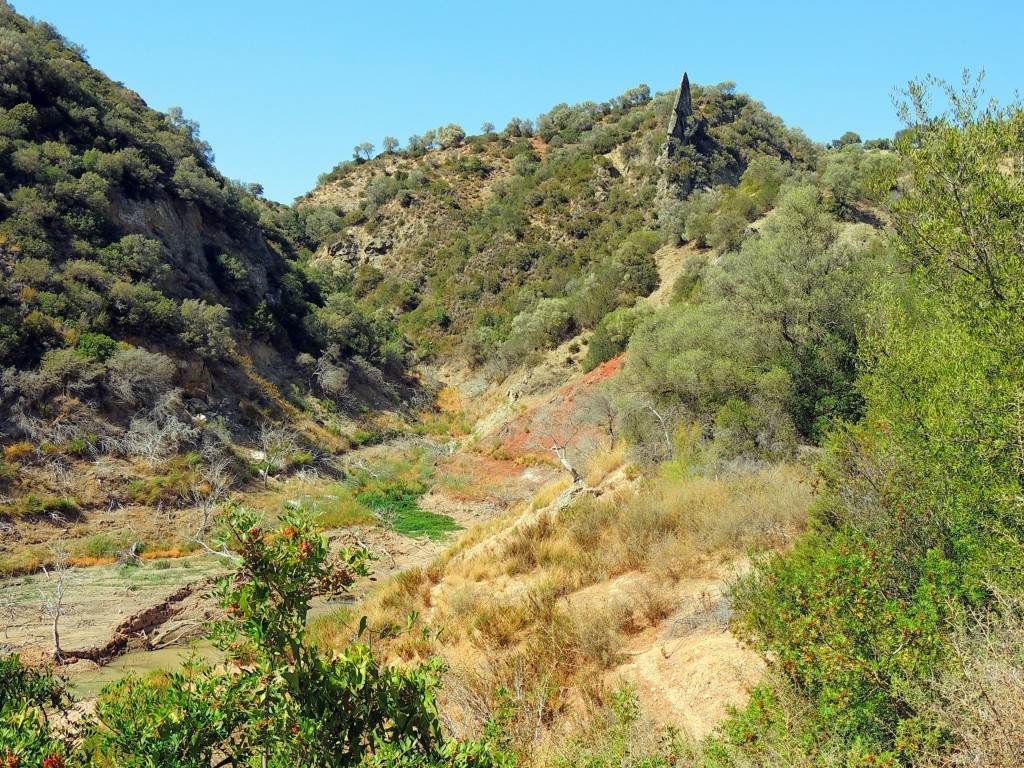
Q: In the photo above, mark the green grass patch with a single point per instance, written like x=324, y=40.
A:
x=336, y=507
x=396, y=504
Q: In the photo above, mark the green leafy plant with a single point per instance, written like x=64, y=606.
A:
x=283, y=703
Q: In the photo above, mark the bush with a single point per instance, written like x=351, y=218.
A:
x=206, y=329
x=95, y=346
x=611, y=337
x=138, y=375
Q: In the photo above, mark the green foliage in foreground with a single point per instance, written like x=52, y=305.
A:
x=281, y=703
x=919, y=521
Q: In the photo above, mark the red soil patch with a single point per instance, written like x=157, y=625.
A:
x=530, y=433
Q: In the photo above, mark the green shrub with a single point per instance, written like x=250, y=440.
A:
x=95, y=346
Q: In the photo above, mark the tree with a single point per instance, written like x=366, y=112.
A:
x=277, y=444
x=487, y=128
x=284, y=702
x=563, y=429
x=191, y=129
x=390, y=144
x=364, y=151
x=450, y=135
x=600, y=407
x=59, y=581
x=848, y=139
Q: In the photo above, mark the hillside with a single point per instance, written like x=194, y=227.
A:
x=647, y=432
x=155, y=319
x=499, y=244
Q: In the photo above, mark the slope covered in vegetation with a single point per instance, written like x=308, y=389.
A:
x=849, y=306
x=507, y=243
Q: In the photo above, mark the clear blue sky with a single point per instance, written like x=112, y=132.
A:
x=285, y=90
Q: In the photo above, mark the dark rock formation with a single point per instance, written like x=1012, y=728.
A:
x=679, y=126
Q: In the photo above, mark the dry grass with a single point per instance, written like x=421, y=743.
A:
x=163, y=554
x=504, y=605
x=602, y=464
x=547, y=495
x=86, y=561
x=979, y=698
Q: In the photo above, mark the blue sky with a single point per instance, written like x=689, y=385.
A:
x=284, y=91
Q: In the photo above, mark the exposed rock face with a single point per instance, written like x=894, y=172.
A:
x=682, y=113
x=191, y=241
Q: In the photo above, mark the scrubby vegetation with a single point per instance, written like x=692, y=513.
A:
x=827, y=398
x=137, y=285
x=917, y=541
x=526, y=237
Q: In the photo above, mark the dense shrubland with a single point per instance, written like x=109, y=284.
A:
x=529, y=236
x=890, y=626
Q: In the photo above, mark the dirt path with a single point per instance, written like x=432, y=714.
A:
x=670, y=261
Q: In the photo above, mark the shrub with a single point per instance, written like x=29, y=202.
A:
x=95, y=346
x=284, y=703
x=72, y=372
x=206, y=329
x=138, y=375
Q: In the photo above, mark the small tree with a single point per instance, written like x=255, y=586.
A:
x=390, y=144
x=487, y=128
x=59, y=581
x=450, y=135
x=600, y=408
x=364, y=151
x=277, y=444
x=560, y=431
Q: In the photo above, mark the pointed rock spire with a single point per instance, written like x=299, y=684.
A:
x=682, y=113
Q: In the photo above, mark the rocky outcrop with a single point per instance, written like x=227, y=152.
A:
x=193, y=241
x=680, y=124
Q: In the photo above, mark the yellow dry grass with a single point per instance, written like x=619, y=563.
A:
x=524, y=603
x=602, y=464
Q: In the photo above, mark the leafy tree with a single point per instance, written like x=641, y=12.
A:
x=285, y=703
x=390, y=144
x=848, y=139
x=635, y=262
x=364, y=150
x=450, y=135
x=777, y=325
x=487, y=128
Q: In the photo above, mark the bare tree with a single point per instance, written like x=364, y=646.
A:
x=653, y=426
x=559, y=429
x=276, y=443
x=59, y=581
x=208, y=490
x=8, y=612
x=600, y=408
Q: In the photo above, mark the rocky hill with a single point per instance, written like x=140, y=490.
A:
x=504, y=243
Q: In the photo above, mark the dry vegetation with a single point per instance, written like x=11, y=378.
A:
x=534, y=611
